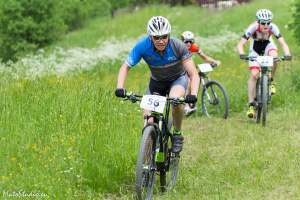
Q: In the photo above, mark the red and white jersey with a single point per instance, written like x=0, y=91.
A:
x=255, y=31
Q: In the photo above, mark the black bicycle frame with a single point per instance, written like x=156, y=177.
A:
x=161, y=126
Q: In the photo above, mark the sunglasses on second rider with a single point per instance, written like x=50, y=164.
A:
x=188, y=41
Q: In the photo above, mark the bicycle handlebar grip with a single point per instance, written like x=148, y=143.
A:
x=213, y=64
x=243, y=57
x=120, y=92
x=287, y=57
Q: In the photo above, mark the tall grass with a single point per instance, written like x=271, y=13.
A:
x=70, y=138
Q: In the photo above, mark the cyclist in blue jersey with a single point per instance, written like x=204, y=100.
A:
x=170, y=64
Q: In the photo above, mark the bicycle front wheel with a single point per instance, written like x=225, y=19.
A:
x=168, y=174
x=145, y=170
x=214, y=100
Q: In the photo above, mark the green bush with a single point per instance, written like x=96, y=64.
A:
x=26, y=25
x=296, y=23
x=76, y=12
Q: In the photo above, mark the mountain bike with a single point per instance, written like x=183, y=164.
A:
x=263, y=90
x=214, y=98
x=155, y=155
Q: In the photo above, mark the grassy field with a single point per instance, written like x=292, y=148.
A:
x=67, y=136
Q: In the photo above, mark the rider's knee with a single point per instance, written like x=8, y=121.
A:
x=254, y=73
x=253, y=77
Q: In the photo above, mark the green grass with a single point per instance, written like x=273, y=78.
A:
x=70, y=138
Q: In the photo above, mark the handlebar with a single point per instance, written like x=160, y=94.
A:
x=213, y=65
x=137, y=97
x=133, y=97
x=275, y=59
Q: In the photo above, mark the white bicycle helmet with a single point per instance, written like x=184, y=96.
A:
x=187, y=36
x=264, y=15
x=158, y=26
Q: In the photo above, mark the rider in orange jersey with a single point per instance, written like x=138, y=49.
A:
x=189, y=39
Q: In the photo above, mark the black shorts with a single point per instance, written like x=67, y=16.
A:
x=163, y=87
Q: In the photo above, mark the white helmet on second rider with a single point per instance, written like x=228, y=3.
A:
x=188, y=36
x=264, y=15
x=158, y=26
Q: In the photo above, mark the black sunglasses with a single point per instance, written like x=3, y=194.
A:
x=163, y=37
x=265, y=23
x=188, y=41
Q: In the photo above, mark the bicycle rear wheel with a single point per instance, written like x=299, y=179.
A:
x=168, y=174
x=214, y=100
x=264, y=99
x=145, y=170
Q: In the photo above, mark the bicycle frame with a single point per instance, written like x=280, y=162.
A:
x=214, y=98
x=161, y=122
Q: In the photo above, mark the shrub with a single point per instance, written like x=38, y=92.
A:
x=26, y=25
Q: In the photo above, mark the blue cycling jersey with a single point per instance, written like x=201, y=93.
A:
x=166, y=66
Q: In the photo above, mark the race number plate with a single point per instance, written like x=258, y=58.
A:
x=265, y=61
x=154, y=103
x=205, y=67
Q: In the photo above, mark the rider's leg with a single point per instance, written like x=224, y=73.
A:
x=252, y=83
x=177, y=91
x=254, y=70
x=187, y=108
x=188, y=92
x=251, y=91
x=273, y=53
x=177, y=139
